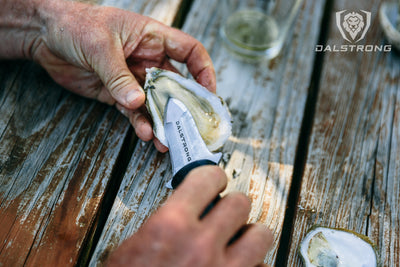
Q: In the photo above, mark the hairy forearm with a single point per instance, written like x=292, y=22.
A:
x=24, y=25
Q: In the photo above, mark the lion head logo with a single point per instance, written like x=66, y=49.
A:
x=353, y=24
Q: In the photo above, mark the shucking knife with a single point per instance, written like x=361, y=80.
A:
x=187, y=149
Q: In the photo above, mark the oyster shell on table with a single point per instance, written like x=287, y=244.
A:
x=209, y=111
x=335, y=247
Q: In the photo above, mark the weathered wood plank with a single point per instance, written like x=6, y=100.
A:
x=384, y=219
x=352, y=173
x=141, y=191
x=57, y=154
x=266, y=100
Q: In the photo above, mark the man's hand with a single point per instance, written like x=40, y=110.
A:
x=176, y=236
x=100, y=52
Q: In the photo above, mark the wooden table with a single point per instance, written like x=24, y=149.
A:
x=315, y=141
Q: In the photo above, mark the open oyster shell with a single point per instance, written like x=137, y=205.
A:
x=209, y=111
x=334, y=247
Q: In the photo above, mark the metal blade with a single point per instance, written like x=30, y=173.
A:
x=184, y=141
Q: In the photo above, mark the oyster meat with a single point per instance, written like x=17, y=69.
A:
x=209, y=111
x=334, y=247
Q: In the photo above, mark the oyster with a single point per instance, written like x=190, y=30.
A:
x=209, y=111
x=334, y=247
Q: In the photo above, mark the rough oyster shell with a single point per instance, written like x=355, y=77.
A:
x=335, y=247
x=209, y=111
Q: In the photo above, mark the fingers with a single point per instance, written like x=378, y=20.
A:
x=236, y=207
x=184, y=48
x=159, y=146
x=139, y=121
x=229, y=215
x=118, y=79
x=142, y=126
x=199, y=189
x=250, y=249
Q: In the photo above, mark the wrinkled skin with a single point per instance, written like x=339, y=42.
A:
x=176, y=235
x=102, y=52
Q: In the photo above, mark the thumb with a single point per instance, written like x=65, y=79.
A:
x=119, y=80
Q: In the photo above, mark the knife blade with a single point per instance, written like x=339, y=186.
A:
x=187, y=148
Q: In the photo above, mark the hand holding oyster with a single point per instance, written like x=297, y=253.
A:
x=209, y=111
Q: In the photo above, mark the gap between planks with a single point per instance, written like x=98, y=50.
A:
x=95, y=231
x=354, y=182
x=303, y=143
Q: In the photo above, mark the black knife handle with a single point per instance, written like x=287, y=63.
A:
x=181, y=174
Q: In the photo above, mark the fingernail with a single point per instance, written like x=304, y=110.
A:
x=132, y=96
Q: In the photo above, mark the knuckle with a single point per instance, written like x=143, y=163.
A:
x=173, y=221
x=212, y=176
x=117, y=82
x=241, y=201
x=217, y=174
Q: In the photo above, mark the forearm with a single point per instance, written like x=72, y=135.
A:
x=20, y=27
x=24, y=25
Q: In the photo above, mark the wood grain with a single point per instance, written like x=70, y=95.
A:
x=57, y=155
x=352, y=178
x=266, y=100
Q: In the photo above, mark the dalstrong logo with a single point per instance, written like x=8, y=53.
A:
x=353, y=25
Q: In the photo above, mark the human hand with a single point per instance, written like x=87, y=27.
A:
x=102, y=52
x=176, y=236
